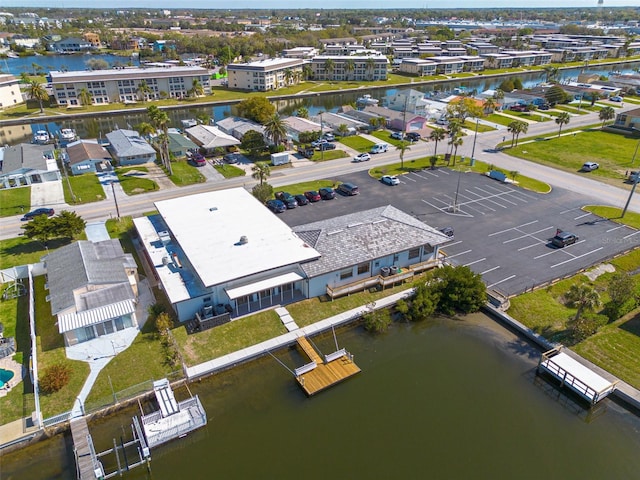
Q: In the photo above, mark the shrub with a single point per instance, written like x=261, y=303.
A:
x=377, y=321
x=459, y=289
x=163, y=323
x=581, y=328
x=421, y=305
x=54, y=378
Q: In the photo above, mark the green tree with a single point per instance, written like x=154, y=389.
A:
x=276, y=129
x=160, y=120
x=622, y=288
x=422, y=304
x=302, y=112
x=517, y=83
x=403, y=145
x=253, y=142
x=258, y=109
x=456, y=141
x=36, y=91
x=349, y=67
x=308, y=137
x=263, y=192
x=606, y=114
x=196, y=90
x=68, y=224
x=437, y=135
x=85, y=97
x=582, y=297
x=145, y=129
x=288, y=76
x=342, y=130
x=464, y=108
x=163, y=323
x=143, y=90
x=507, y=85
x=41, y=228
x=595, y=96
x=329, y=66
x=377, y=321
x=261, y=171
x=97, y=64
x=370, y=65
x=555, y=94
x=551, y=73
x=516, y=128
x=459, y=289
x=563, y=119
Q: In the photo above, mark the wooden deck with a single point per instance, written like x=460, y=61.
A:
x=86, y=460
x=324, y=375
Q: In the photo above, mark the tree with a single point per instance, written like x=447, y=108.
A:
x=370, y=65
x=342, y=130
x=308, y=137
x=143, y=90
x=563, y=119
x=276, y=129
x=551, y=73
x=555, y=95
x=595, y=96
x=85, y=97
x=349, y=67
x=606, y=114
x=463, y=108
x=377, y=321
x=302, y=112
x=459, y=289
x=422, y=304
x=68, y=224
x=329, y=66
x=163, y=323
x=507, y=85
x=145, y=129
x=437, y=135
x=97, y=64
x=36, y=91
x=516, y=128
x=456, y=141
x=54, y=378
x=253, y=142
x=402, y=146
x=256, y=108
x=498, y=95
x=160, y=120
x=261, y=171
x=622, y=287
x=41, y=228
x=196, y=89
x=583, y=297
x=490, y=105
x=263, y=192
x=288, y=76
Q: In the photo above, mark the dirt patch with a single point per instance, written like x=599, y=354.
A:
x=599, y=270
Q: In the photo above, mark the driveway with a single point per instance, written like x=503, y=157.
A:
x=48, y=194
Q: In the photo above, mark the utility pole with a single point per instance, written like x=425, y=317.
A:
x=113, y=190
x=475, y=136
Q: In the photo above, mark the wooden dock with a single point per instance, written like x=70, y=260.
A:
x=88, y=466
x=321, y=373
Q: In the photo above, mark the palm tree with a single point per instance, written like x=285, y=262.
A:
x=261, y=171
x=516, y=128
x=370, y=64
x=583, y=297
x=143, y=90
x=454, y=130
x=303, y=112
x=490, y=105
x=551, y=73
x=607, y=113
x=402, y=146
x=329, y=66
x=276, y=129
x=349, y=67
x=24, y=77
x=145, y=129
x=307, y=72
x=499, y=96
x=85, y=97
x=456, y=142
x=563, y=119
x=160, y=120
x=595, y=96
x=343, y=130
x=437, y=135
x=196, y=88
x=36, y=91
x=288, y=76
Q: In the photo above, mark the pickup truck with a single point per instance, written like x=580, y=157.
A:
x=306, y=151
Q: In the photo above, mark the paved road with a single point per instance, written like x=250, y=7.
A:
x=594, y=191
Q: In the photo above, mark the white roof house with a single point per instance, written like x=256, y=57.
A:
x=210, y=138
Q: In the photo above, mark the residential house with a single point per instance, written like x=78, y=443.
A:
x=629, y=120
x=87, y=156
x=401, y=121
x=71, y=45
x=418, y=66
x=210, y=139
x=179, y=144
x=128, y=148
x=409, y=100
x=448, y=65
x=264, y=75
x=297, y=125
x=10, y=94
x=25, y=164
x=237, y=126
x=93, y=289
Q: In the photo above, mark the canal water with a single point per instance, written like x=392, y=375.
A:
x=443, y=398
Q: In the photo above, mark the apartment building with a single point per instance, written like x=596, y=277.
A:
x=264, y=75
x=9, y=91
x=351, y=67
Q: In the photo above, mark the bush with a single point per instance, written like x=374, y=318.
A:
x=459, y=289
x=421, y=305
x=585, y=326
x=614, y=310
x=377, y=321
x=54, y=378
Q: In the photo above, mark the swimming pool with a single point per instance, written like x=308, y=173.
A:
x=5, y=376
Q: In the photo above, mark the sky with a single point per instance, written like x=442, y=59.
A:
x=311, y=4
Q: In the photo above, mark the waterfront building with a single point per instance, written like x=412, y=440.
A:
x=71, y=45
x=87, y=156
x=209, y=139
x=24, y=164
x=418, y=66
x=237, y=127
x=123, y=85
x=297, y=125
x=10, y=94
x=264, y=75
x=335, y=68
x=629, y=120
x=93, y=289
x=128, y=148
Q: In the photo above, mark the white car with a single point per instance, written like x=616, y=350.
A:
x=390, y=180
x=319, y=142
x=590, y=166
x=363, y=157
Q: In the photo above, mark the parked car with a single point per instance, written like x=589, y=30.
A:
x=232, y=158
x=544, y=106
x=519, y=108
x=444, y=121
x=379, y=148
x=327, y=146
x=413, y=136
x=320, y=141
x=312, y=196
x=276, y=206
x=327, y=193
x=396, y=135
x=301, y=199
x=590, y=166
x=348, y=189
x=448, y=231
x=616, y=98
x=38, y=211
x=329, y=137
x=286, y=198
x=363, y=157
x=563, y=239
x=633, y=177
x=197, y=160
x=390, y=180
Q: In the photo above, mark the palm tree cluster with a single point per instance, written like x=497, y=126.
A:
x=160, y=121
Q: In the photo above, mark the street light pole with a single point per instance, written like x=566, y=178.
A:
x=475, y=136
x=321, y=135
x=633, y=189
x=113, y=190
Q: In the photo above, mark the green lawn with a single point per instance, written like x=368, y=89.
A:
x=499, y=119
x=22, y=250
x=471, y=125
x=229, y=171
x=329, y=155
x=613, y=213
x=530, y=116
x=385, y=136
x=123, y=230
x=185, y=174
x=132, y=184
x=296, y=188
x=15, y=201
x=229, y=337
x=571, y=109
x=86, y=188
x=357, y=143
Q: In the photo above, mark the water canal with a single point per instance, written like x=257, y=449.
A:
x=446, y=399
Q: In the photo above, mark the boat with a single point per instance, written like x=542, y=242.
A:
x=189, y=122
x=367, y=99
x=68, y=135
x=41, y=137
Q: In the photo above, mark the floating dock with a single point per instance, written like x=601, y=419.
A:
x=88, y=467
x=174, y=419
x=321, y=373
x=572, y=374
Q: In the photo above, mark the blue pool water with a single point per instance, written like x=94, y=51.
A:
x=5, y=376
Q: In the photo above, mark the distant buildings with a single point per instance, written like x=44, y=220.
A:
x=10, y=94
x=349, y=67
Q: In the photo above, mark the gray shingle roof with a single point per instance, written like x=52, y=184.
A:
x=364, y=236
x=84, y=264
x=128, y=143
x=25, y=155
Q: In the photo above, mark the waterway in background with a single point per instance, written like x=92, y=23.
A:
x=16, y=66
x=446, y=399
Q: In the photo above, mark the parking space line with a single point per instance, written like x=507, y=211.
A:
x=582, y=216
x=501, y=281
x=525, y=235
x=445, y=172
x=564, y=250
x=482, y=199
x=431, y=173
x=631, y=234
x=474, y=200
x=407, y=177
x=570, y=210
x=458, y=254
x=513, y=228
x=463, y=204
x=615, y=228
x=577, y=257
x=529, y=246
x=511, y=191
x=417, y=175
x=503, y=197
x=454, y=243
x=490, y=270
x=474, y=262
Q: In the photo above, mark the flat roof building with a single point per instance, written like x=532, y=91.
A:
x=264, y=75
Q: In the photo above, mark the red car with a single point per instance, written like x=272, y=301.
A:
x=312, y=196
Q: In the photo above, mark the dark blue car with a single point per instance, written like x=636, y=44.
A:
x=276, y=206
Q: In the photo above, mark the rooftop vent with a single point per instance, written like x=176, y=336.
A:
x=243, y=240
x=213, y=209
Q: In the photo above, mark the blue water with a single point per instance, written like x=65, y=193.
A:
x=15, y=66
x=5, y=376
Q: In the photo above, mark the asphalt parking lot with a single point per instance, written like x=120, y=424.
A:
x=501, y=231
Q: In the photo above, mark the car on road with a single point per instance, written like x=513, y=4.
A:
x=519, y=108
x=363, y=157
x=327, y=193
x=232, y=158
x=312, y=196
x=396, y=135
x=37, y=212
x=413, y=136
x=327, y=146
x=301, y=199
x=390, y=180
x=276, y=206
x=590, y=166
x=563, y=239
x=348, y=189
x=379, y=148
x=544, y=106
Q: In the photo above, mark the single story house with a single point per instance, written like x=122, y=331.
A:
x=128, y=148
x=25, y=163
x=297, y=125
x=93, y=289
x=87, y=156
x=179, y=144
x=629, y=120
x=237, y=127
x=210, y=138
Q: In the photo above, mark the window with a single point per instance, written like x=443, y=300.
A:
x=206, y=299
x=347, y=273
x=414, y=253
x=363, y=268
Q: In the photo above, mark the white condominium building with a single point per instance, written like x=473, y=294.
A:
x=264, y=75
